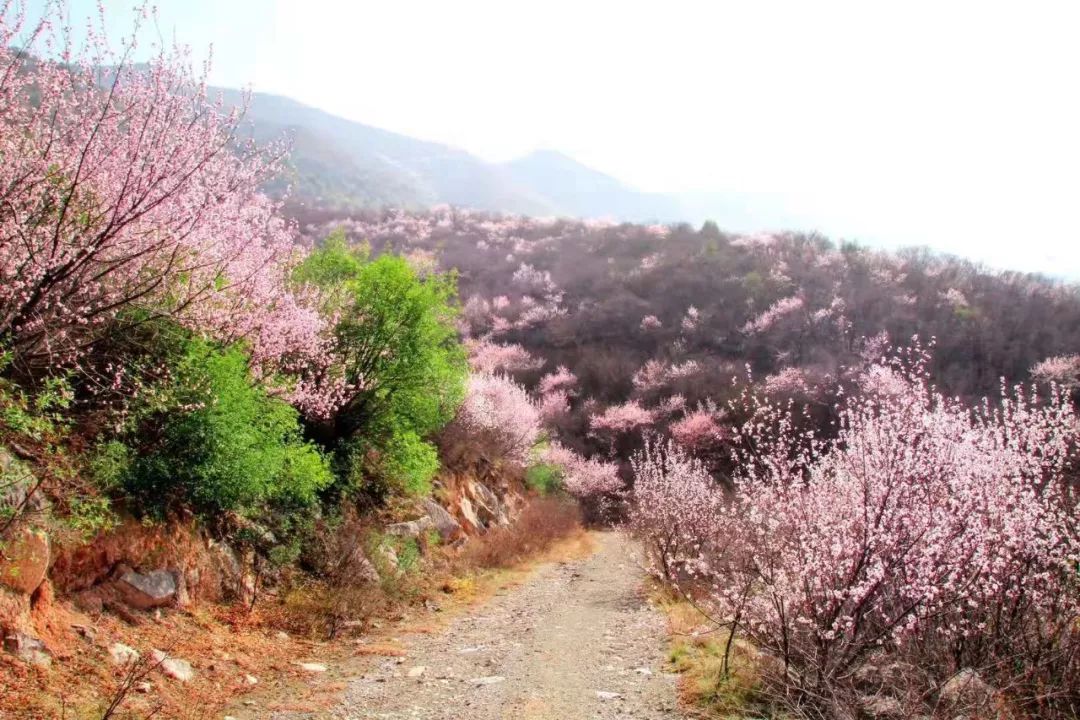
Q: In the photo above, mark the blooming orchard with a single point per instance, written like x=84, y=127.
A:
x=923, y=527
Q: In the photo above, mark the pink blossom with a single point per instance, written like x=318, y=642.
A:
x=618, y=419
x=778, y=310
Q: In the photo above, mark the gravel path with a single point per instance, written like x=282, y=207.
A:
x=576, y=640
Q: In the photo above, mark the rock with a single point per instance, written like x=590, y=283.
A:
x=490, y=509
x=415, y=672
x=965, y=688
x=281, y=636
x=487, y=680
x=360, y=567
x=876, y=676
x=643, y=671
x=469, y=513
x=606, y=695
x=449, y=528
x=27, y=648
x=412, y=528
x=183, y=597
x=122, y=654
x=18, y=487
x=882, y=707
x=24, y=560
x=226, y=564
x=86, y=632
x=312, y=667
x=89, y=601
x=149, y=590
x=172, y=667
x=251, y=680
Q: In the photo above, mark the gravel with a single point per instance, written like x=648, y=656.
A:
x=576, y=640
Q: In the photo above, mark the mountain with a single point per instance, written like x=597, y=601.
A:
x=580, y=191
x=346, y=164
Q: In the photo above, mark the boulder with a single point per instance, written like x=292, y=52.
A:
x=24, y=560
x=965, y=689
x=27, y=648
x=412, y=528
x=877, y=676
x=360, y=568
x=145, y=591
x=449, y=528
x=172, y=667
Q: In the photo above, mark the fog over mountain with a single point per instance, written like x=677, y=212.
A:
x=342, y=163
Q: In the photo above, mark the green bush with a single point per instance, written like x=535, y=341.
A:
x=544, y=478
x=400, y=351
x=401, y=463
x=212, y=439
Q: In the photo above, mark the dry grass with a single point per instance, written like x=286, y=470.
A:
x=696, y=652
x=543, y=522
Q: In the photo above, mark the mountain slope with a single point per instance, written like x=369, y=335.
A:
x=346, y=164
x=340, y=162
x=583, y=192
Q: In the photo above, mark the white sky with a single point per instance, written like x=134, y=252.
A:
x=951, y=124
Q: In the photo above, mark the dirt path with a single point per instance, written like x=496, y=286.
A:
x=576, y=640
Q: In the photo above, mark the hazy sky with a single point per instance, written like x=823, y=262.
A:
x=952, y=124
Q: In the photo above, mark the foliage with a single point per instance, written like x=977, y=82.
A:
x=544, y=478
x=401, y=366
x=402, y=463
x=215, y=440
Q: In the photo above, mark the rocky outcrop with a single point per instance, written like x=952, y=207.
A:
x=24, y=560
x=145, y=591
x=412, y=528
x=449, y=528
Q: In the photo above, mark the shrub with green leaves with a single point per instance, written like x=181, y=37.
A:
x=212, y=439
x=544, y=478
x=400, y=354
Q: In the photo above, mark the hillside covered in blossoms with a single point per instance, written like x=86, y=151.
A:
x=262, y=444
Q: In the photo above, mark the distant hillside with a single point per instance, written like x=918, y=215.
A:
x=344, y=163
x=340, y=163
x=579, y=191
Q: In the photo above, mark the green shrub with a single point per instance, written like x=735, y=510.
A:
x=400, y=463
x=400, y=351
x=216, y=441
x=544, y=478
x=109, y=463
